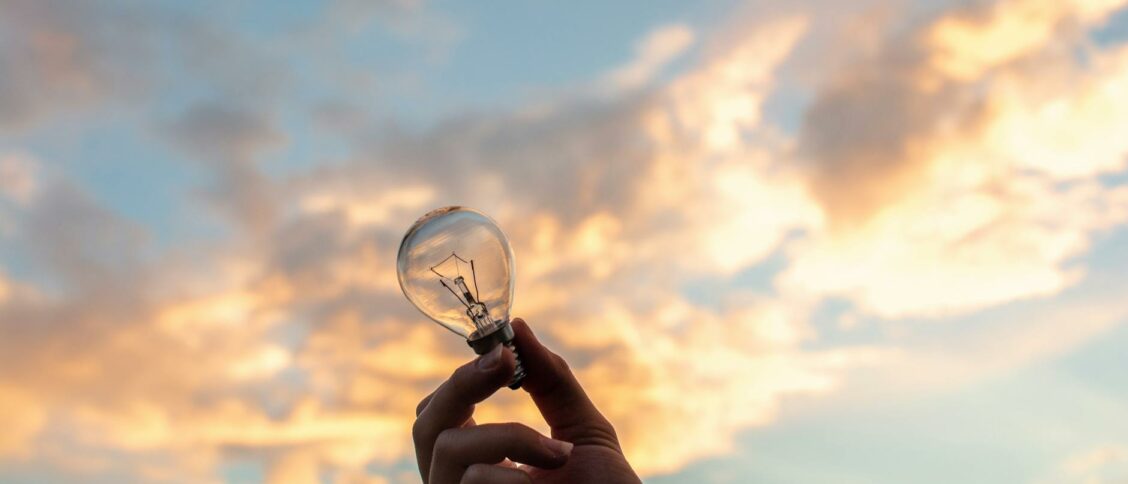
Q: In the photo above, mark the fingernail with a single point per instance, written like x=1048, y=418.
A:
x=558, y=447
x=490, y=360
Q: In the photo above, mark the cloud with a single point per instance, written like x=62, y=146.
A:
x=18, y=185
x=954, y=201
x=53, y=61
x=1101, y=464
x=991, y=345
x=967, y=46
x=362, y=209
x=682, y=180
x=229, y=141
x=218, y=355
x=654, y=52
x=23, y=417
x=17, y=178
x=906, y=192
x=80, y=245
x=748, y=358
x=64, y=61
x=975, y=249
x=918, y=96
x=1061, y=125
x=213, y=379
x=356, y=14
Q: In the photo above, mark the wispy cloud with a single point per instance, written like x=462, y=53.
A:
x=659, y=48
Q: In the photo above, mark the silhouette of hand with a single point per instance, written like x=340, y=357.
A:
x=450, y=448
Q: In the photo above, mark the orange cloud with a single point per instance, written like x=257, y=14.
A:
x=965, y=47
x=972, y=210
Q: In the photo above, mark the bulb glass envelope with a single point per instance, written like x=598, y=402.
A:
x=453, y=258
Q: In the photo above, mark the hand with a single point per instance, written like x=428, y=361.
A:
x=451, y=449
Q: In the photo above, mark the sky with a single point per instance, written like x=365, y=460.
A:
x=881, y=241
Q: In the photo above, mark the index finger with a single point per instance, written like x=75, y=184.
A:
x=453, y=402
x=562, y=401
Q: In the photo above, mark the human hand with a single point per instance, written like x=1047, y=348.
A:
x=450, y=448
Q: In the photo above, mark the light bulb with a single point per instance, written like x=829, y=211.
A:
x=455, y=265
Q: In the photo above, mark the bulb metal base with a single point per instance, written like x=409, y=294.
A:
x=503, y=335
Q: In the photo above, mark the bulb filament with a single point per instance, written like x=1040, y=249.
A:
x=475, y=309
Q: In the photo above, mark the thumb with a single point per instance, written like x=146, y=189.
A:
x=562, y=401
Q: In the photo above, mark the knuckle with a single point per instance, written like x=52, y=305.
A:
x=460, y=380
x=516, y=428
x=561, y=363
x=422, y=405
x=418, y=432
x=517, y=434
x=609, y=429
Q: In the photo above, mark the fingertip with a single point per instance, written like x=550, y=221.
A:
x=539, y=361
x=552, y=453
x=520, y=327
x=559, y=449
x=524, y=337
x=479, y=378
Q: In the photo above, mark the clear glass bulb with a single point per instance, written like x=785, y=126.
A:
x=455, y=265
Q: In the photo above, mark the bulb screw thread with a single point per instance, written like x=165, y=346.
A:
x=502, y=335
x=519, y=370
